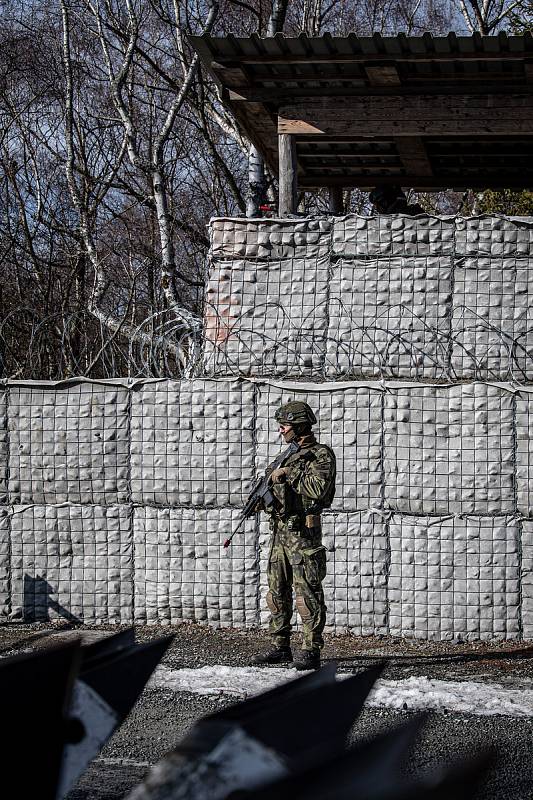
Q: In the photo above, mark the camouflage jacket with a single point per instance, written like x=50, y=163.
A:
x=310, y=484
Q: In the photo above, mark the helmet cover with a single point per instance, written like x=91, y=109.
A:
x=295, y=412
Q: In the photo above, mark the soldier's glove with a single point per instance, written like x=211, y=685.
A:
x=279, y=475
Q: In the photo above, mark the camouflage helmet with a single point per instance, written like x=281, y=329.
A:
x=295, y=413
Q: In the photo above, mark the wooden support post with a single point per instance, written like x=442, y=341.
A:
x=413, y=154
x=288, y=178
x=336, y=204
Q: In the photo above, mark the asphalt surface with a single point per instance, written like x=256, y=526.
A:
x=160, y=717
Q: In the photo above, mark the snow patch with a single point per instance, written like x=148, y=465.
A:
x=220, y=680
x=414, y=694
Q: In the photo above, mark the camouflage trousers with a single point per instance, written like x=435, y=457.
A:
x=297, y=559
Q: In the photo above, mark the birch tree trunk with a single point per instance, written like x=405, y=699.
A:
x=150, y=167
x=277, y=17
x=256, y=182
x=256, y=166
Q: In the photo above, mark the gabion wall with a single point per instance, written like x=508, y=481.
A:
x=381, y=297
x=409, y=337
x=117, y=498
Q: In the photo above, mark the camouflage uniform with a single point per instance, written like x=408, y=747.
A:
x=297, y=557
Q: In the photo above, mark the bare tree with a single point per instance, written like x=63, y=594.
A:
x=115, y=150
x=116, y=172
x=487, y=16
x=148, y=162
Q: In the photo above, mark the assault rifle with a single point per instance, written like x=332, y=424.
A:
x=261, y=491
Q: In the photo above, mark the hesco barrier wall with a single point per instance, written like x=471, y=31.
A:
x=410, y=340
x=380, y=297
x=117, y=499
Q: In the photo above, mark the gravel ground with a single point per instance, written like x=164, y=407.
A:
x=160, y=718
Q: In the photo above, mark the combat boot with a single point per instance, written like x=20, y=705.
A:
x=278, y=655
x=308, y=659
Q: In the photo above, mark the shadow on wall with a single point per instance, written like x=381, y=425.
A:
x=38, y=601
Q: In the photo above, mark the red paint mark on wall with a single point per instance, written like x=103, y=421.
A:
x=221, y=315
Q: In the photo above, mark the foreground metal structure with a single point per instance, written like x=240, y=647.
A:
x=290, y=742
x=61, y=704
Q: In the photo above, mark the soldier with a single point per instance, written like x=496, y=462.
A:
x=392, y=200
x=302, y=487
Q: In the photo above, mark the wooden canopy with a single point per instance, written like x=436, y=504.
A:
x=423, y=112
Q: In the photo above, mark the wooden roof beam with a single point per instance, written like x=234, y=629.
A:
x=435, y=184
x=382, y=75
x=230, y=77
x=413, y=155
x=282, y=94
x=419, y=116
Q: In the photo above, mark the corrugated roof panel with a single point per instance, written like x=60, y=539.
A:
x=465, y=45
x=379, y=43
x=237, y=50
x=503, y=42
x=314, y=48
x=453, y=44
x=400, y=46
x=344, y=46
x=222, y=46
x=370, y=47
x=429, y=43
x=355, y=44
x=299, y=46
x=286, y=48
x=417, y=45
x=442, y=45
x=256, y=43
x=330, y=42
x=492, y=44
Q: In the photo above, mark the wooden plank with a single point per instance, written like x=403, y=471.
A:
x=422, y=106
x=323, y=150
x=230, y=77
x=377, y=143
x=479, y=180
x=281, y=94
x=484, y=155
x=413, y=154
x=383, y=75
x=288, y=180
x=281, y=77
x=411, y=127
x=376, y=158
x=422, y=115
x=292, y=126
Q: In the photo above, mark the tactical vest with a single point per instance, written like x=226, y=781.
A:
x=291, y=502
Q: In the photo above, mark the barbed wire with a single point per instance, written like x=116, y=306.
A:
x=474, y=349
x=267, y=343
x=68, y=344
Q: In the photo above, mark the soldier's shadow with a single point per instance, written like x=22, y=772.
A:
x=38, y=601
